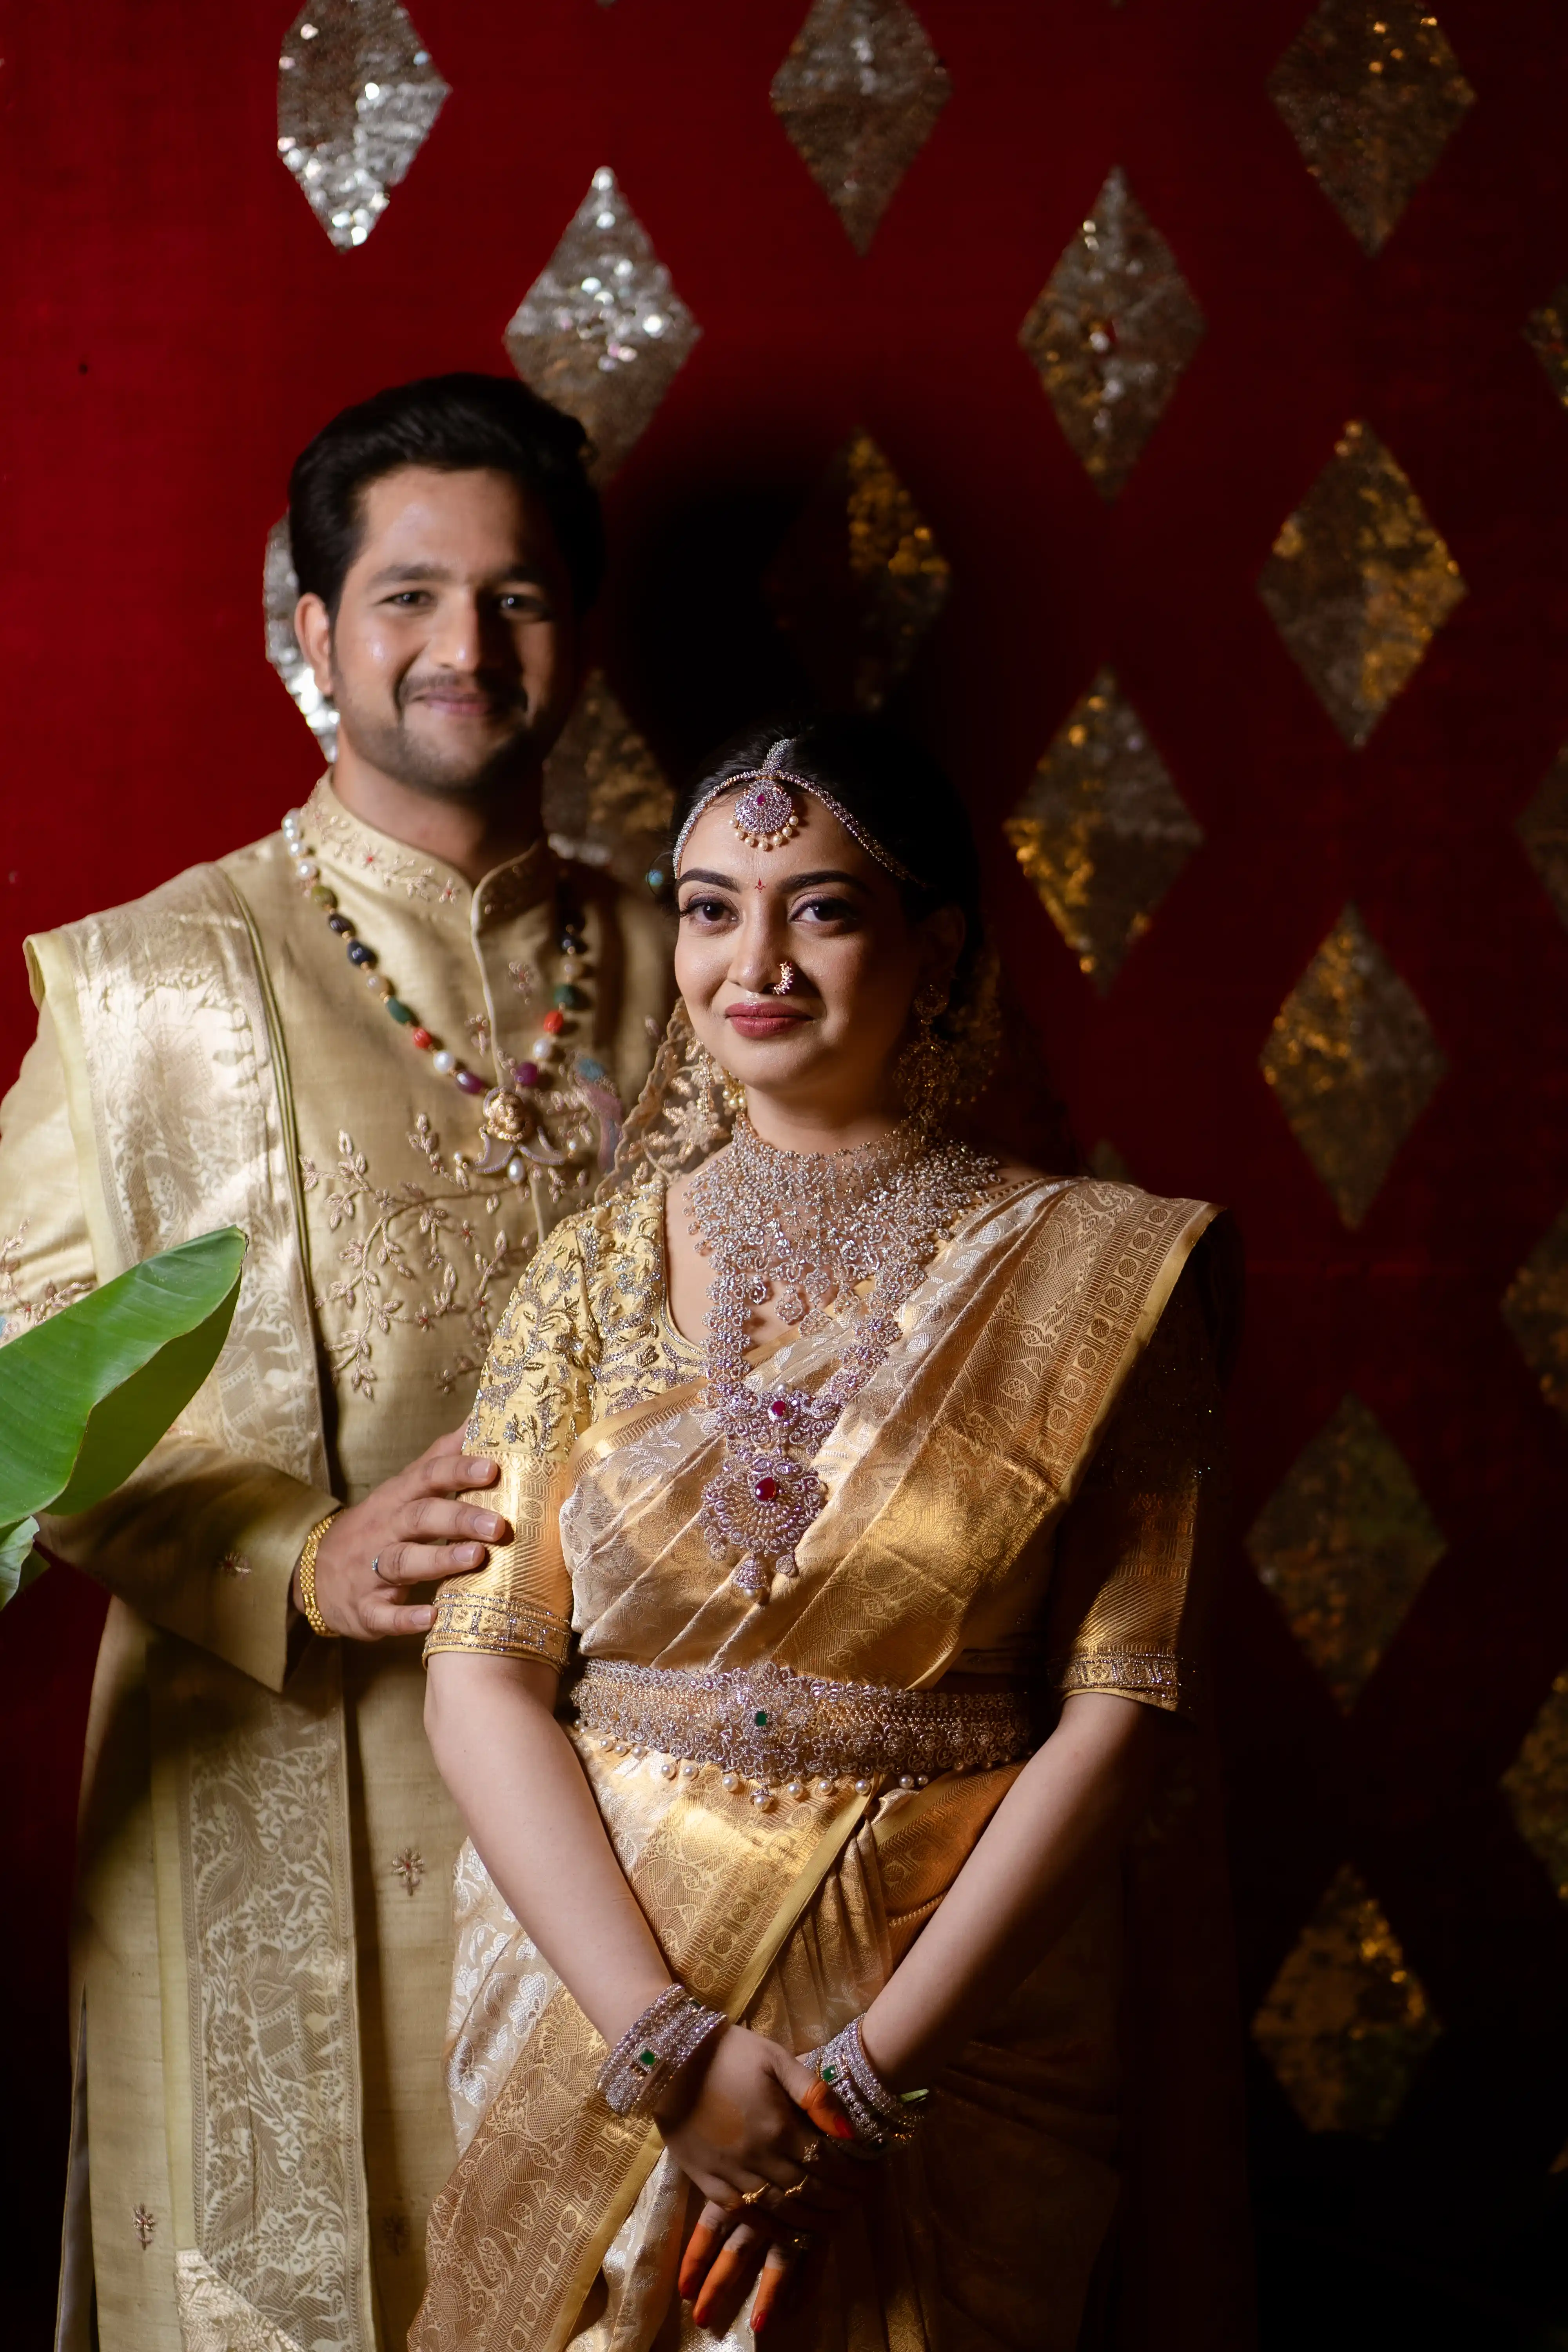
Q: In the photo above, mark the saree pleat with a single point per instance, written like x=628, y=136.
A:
x=562, y=2223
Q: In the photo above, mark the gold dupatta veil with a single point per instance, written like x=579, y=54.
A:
x=953, y=1465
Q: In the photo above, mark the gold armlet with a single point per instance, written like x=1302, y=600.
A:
x=307, y=1574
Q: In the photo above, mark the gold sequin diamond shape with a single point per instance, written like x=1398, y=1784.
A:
x=859, y=580
x=1544, y=829
x=1359, y=583
x=279, y=595
x=1354, y=1062
x=859, y=95
x=1344, y=1543
x=1536, y=1311
x=606, y=799
x=1546, y=332
x=1111, y=334
x=1102, y=832
x=1346, y=2024
x=1372, y=95
x=358, y=95
x=1536, y=1785
x=602, y=331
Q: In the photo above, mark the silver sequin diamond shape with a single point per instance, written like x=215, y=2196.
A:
x=602, y=331
x=357, y=94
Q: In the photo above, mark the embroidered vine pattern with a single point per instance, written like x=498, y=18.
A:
x=411, y=1254
x=17, y=1313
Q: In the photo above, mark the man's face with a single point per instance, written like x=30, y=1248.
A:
x=452, y=658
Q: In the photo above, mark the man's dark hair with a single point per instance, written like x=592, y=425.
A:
x=455, y=424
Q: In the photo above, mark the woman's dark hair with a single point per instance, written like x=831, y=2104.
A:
x=903, y=797
x=456, y=423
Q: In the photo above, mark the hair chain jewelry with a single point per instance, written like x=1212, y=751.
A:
x=808, y=1228
x=766, y=814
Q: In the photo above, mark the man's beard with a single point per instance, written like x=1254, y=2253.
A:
x=394, y=748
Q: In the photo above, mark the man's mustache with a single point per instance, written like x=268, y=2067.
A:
x=501, y=694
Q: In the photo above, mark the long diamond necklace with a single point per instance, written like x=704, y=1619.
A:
x=809, y=1227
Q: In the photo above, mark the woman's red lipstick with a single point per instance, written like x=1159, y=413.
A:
x=765, y=1019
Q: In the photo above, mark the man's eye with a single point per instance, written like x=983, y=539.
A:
x=406, y=597
x=530, y=608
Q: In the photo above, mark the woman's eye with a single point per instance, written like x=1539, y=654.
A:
x=704, y=910
x=823, y=910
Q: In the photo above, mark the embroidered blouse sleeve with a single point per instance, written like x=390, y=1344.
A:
x=1129, y=1595
x=534, y=1400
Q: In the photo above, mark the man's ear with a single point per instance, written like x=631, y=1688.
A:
x=313, y=630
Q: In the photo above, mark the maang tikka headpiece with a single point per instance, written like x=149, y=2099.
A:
x=766, y=814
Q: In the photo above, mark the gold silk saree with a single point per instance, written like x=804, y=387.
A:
x=1020, y=1490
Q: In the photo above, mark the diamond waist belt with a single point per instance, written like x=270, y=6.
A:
x=779, y=1729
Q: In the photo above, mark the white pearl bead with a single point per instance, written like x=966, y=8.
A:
x=443, y=1061
x=292, y=820
x=862, y=1788
x=797, y=1789
x=666, y=1769
x=306, y=868
x=731, y=1781
x=543, y=1049
x=516, y=1167
x=689, y=1771
x=763, y=1798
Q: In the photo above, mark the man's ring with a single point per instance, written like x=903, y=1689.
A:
x=375, y=1568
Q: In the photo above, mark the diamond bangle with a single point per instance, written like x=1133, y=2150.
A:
x=648, y=2056
x=879, y=2114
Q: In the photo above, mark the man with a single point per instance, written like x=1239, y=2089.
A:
x=388, y=1042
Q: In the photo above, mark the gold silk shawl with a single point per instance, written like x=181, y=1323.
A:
x=971, y=1438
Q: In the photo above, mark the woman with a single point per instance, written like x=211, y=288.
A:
x=858, y=1484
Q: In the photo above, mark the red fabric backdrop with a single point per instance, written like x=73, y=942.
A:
x=178, y=325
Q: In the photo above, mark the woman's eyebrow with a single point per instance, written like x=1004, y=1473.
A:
x=700, y=874
x=828, y=874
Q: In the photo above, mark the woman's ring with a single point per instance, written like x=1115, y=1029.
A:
x=796, y=2189
x=812, y=2152
x=753, y=2197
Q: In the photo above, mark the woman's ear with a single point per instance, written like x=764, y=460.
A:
x=943, y=934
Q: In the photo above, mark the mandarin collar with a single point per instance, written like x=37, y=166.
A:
x=341, y=839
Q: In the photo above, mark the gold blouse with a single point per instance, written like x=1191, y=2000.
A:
x=1100, y=1601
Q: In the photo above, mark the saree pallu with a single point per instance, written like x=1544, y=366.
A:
x=950, y=1481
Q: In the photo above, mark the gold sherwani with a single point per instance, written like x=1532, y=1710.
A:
x=1021, y=1488
x=264, y=1942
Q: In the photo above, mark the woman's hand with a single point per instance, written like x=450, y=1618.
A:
x=736, y=2125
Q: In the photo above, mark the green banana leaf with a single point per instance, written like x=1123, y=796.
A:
x=85, y=1395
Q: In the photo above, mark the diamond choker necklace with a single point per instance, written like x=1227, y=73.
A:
x=809, y=1228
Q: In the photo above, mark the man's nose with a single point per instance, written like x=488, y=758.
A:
x=469, y=635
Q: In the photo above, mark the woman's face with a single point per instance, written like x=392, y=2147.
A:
x=824, y=1048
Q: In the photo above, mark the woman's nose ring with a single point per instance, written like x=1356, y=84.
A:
x=785, y=981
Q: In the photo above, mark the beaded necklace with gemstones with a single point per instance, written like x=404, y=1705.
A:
x=510, y=1120
x=809, y=1227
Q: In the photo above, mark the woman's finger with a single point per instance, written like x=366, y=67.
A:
x=777, y=2264
x=711, y=2228
x=729, y=2282
x=819, y=2102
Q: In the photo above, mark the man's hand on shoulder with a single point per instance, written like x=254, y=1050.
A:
x=408, y=1532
